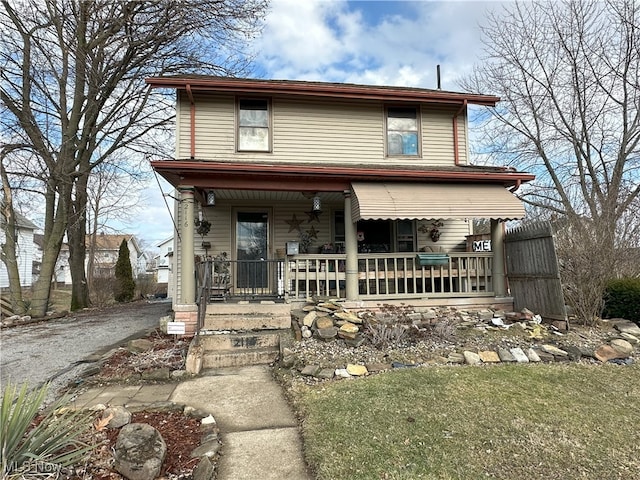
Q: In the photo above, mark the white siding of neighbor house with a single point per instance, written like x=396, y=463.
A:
x=312, y=131
x=24, y=253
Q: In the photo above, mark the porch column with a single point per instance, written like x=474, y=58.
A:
x=351, y=250
x=187, y=249
x=497, y=246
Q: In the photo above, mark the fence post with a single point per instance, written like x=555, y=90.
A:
x=497, y=246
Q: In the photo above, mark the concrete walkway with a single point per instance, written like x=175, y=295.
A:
x=260, y=438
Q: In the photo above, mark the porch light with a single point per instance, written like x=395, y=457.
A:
x=210, y=198
x=317, y=204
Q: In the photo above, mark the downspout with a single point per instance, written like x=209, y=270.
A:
x=193, y=123
x=516, y=186
x=456, y=150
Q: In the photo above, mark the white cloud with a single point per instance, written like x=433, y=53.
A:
x=392, y=43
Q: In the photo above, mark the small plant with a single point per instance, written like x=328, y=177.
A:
x=31, y=441
x=382, y=335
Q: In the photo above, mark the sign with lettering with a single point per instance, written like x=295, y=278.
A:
x=482, y=246
x=175, y=328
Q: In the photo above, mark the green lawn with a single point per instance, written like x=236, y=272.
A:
x=567, y=421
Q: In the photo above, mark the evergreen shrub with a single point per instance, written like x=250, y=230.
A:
x=622, y=299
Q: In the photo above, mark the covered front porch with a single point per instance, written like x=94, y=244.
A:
x=379, y=236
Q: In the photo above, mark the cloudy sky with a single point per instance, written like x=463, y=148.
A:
x=367, y=42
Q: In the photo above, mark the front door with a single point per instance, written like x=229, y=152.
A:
x=252, y=276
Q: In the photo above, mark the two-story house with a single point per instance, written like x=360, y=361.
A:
x=358, y=192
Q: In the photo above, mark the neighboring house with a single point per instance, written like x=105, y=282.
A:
x=107, y=248
x=164, y=267
x=24, y=251
x=349, y=182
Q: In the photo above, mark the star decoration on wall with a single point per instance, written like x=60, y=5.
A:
x=312, y=232
x=294, y=223
x=314, y=216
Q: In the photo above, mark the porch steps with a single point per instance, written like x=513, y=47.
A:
x=238, y=334
x=234, y=349
x=247, y=316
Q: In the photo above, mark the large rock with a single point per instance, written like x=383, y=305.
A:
x=139, y=452
x=324, y=322
x=622, y=346
x=348, y=317
x=471, y=358
x=604, y=353
x=489, y=356
x=626, y=326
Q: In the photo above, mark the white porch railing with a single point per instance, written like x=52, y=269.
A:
x=391, y=275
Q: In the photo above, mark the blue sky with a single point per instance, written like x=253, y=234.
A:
x=367, y=42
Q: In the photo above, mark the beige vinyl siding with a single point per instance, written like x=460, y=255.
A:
x=215, y=127
x=437, y=136
x=452, y=238
x=312, y=131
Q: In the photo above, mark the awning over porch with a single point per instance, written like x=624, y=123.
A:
x=393, y=201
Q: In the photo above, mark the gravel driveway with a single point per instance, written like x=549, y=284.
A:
x=60, y=350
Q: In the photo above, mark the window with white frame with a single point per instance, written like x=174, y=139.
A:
x=402, y=131
x=253, y=125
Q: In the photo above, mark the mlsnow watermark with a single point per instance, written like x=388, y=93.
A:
x=38, y=469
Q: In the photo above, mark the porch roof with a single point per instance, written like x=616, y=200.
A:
x=433, y=200
x=322, y=177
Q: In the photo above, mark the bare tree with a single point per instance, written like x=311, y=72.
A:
x=114, y=193
x=73, y=84
x=568, y=75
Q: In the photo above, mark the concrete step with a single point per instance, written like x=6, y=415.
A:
x=247, y=316
x=240, y=340
x=238, y=358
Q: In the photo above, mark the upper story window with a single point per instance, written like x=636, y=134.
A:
x=253, y=125
x=402, y=131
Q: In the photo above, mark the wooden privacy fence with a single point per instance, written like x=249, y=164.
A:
x=533, y=271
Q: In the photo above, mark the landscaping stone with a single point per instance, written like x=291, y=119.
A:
x=455, y=357
x=533, y=356
x=626, y=326
x=471, y=358
x=327, y=333
x=139, y=345
x=630, y=338
x=326, y=373
x=310, y=370
x=119, y=416
x=506, y=356
x=622, y=346
x=309, y=319
x=519, y=355
x=349, y=317
x=206, y=449
x=204, y=470
x=357, y=370
x=555, y=351
x=604, y=353
x=489, y=356
x=342, y=373
x=574, y=353
x=324, y=322
x=545, y=357
x=139, y=452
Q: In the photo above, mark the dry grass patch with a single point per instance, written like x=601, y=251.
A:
x=568, y=421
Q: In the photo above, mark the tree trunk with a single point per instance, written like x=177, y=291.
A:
x=55, y=225
x=9, y=256
x=76, y=233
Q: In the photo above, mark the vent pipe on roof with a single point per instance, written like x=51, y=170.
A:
x=438, y=77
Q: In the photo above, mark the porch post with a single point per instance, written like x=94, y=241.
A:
x=497, y=246
x=351, y=250
x=187, y=231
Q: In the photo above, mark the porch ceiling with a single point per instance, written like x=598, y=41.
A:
x=435, y=200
